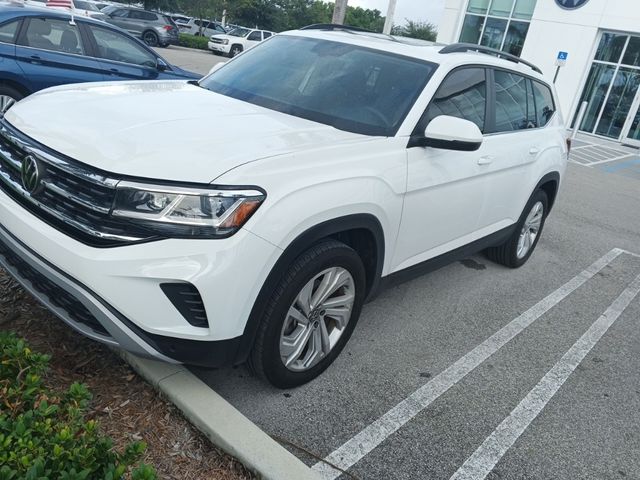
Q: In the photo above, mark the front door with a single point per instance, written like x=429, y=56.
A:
x=446, y=189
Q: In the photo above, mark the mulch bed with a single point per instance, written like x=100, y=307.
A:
x=126, y=407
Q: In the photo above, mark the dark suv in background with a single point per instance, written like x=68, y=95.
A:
x=155, y=29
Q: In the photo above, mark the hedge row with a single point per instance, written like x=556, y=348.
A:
x=193, y=41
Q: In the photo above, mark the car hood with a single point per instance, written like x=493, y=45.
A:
x=168, y=130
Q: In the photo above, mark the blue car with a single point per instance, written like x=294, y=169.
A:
x=41, y=48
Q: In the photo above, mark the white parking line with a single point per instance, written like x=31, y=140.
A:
x=485, y=458
x=370, y=437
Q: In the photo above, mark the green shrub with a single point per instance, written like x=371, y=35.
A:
x=193, y=41
x=44, y=435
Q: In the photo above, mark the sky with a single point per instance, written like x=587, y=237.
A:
x=422, y=10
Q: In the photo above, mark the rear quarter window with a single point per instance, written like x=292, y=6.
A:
x=545, y=105
x=8, y=32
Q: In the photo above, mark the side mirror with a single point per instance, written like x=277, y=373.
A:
x=216, y=67
x=452, y=133
x=161, y=65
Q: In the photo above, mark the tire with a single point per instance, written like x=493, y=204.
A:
x=235, y=50
x=151, y=38
x=8, y=96
x=511, y=253
x=328, y=261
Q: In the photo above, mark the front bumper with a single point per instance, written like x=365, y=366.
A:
x=90, y=315
x=218, y=47
x=113, y=295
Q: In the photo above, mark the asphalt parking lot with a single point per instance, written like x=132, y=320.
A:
x=476, y=371
x=198, y=61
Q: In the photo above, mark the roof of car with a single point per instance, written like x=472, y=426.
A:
x=428, y=51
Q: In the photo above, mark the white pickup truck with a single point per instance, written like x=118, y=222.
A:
x=237, y=40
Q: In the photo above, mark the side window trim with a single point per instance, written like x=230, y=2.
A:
x=95, y=49
x=16, y=34
x=21, y=37
x=416, y=130
x=492, y=88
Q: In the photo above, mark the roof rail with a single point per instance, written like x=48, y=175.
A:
x=335, y=26
x=471, y=47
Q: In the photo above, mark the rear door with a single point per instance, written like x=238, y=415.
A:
x=51, y=51
x=515, y=137
x=8, y=34
x=121, y=57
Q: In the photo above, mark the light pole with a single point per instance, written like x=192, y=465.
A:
x=391, y=11
x=339, y=12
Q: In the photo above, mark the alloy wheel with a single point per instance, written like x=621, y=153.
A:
x=317, y=318
x=150, y=39
x=530, y=230
x=6, y=102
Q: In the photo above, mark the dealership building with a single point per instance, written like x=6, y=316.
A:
x=595, y=44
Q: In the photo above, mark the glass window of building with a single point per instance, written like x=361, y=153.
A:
x=612, y=89
x=500, y=24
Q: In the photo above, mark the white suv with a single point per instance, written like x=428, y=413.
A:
x=258, y=235
x=237, y=40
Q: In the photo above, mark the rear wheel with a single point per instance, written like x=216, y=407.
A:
x=151, y=38
x=310, y=315
x=8, y=96
x=518, y=248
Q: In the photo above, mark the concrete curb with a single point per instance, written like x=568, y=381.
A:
x=225, y=426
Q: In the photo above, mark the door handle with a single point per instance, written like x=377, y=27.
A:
x=534, y=151
x=35, y=59
x=486, y=160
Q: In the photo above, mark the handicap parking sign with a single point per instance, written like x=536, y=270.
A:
x=561, y=60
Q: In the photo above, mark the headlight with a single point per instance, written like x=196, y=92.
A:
x=186, y=212
x=225, y=41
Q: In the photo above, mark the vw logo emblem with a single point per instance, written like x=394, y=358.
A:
x=571, y=4
x=30, y=174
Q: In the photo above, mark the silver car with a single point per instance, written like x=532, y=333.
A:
x=155, y=29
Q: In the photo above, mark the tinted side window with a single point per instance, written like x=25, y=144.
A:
x=514, y=107
x=544, y=103
x=255, y=36
x=8, y=31
x=115, y=46
x=266, y=34
x=138, y=15
x=463, y=94
x=55, y=35
x=120, y=13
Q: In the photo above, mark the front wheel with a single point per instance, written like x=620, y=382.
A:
x=310, y=315
x=235, y=50
x=518, y=248
x=8, y=96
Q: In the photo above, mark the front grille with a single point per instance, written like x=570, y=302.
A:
x=73, y=197
x=55, y=295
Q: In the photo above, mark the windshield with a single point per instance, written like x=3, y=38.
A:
x=85, y=6
x=239, y=32
x=351, y=88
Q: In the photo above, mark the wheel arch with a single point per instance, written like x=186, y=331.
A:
x=15, y=85
x=550, y=184
x=362, y=232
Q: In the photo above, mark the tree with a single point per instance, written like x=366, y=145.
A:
x=420, y=30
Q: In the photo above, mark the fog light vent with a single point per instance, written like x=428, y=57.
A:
x=187, y=300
